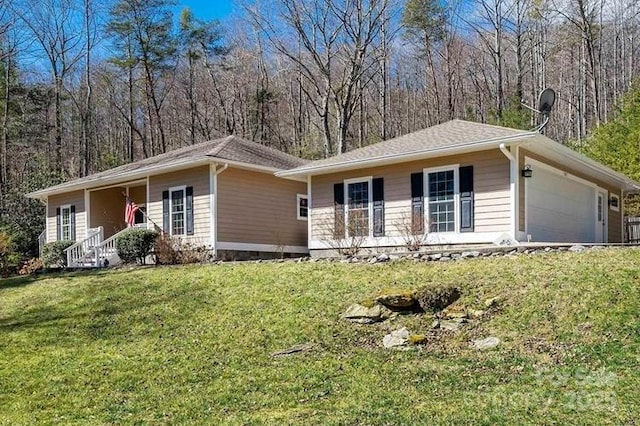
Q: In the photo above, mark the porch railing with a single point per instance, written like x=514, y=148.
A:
x=107, y=248
x=632, y=229
x=85, y=248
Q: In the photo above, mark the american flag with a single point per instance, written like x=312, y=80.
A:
x=130, y=212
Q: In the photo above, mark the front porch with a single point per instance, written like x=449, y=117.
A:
x=106, y=207
x=105, y=221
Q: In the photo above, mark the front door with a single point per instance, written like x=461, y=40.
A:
x=601, y=216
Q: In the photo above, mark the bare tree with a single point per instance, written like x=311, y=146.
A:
x=52, y=24
x=337, y=38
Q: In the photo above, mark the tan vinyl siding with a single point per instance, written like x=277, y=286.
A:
x=198, y=178
x=491, y=189
x=138, y=194
x=259, y=208
x=76, y=199
x=107, y=210
x=614, y=227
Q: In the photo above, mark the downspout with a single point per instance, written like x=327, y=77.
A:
x=513, y=176
x=214, y=205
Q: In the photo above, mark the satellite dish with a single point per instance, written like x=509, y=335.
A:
x=545, y=101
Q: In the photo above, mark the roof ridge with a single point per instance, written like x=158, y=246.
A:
x=225, y=141
x=249, y=144
x=495, y=126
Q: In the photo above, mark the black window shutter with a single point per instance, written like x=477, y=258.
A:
x=466, y=199
x=417, y=203
x=338, y=219
x=165, y=212
x=73, y=222
x=58, y=225
x=378, y=207
x=189, y=210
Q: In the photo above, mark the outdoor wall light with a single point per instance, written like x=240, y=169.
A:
x=526, y=171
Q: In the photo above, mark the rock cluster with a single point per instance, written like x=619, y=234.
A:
x=441, y=301
x=448, y=256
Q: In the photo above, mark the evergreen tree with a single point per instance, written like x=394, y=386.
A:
x=143, y=32
x=617, y=143
x=199, y=41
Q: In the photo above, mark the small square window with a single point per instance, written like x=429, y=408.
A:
x=614, y=202
x=302, y=206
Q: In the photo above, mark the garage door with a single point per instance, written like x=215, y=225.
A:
x=559, y=209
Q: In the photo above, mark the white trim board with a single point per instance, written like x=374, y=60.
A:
x=267, y=248
x=212, y=201
x=310, y=210
x=87, y=213
x=133, y=183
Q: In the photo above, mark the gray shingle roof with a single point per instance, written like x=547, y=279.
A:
x=454, y=133
x=231, y=148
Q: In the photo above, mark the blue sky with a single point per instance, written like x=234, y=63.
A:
x=208, y=9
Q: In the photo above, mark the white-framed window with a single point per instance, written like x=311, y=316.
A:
x=177, y=210
x=614, y=202
x=302, y=203
x=66, y=224
x=140, y=216
x=358, y=207
x=442, y=194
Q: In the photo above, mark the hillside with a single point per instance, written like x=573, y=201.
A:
x=193, y=345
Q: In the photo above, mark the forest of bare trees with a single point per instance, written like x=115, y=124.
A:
x=88, y=85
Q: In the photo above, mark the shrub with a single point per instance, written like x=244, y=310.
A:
x=9, y=259
x=53, y=254
x=136, y=245
x=173, y=251
x=31, y=266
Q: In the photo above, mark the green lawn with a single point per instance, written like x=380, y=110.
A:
x=178, y=345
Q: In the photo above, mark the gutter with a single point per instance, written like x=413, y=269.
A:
x=143, y=173
x=633, y=186
x=91, y=183
x=213, y=207
x=371, y=162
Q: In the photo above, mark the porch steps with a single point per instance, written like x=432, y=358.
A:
x=94, y=252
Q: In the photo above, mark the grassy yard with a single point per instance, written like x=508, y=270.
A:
x=182, y=345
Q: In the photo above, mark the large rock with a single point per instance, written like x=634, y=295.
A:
x=363, y=315
x=434, y=299
x=488, y=343
x=396, y=339
x=470, y=254
x=397, y=300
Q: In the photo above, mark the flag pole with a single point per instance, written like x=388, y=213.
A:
x=146, y=216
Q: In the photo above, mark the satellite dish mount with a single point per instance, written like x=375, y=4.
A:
x=545, y=104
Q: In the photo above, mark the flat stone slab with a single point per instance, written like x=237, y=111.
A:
x=363, y=315
x=484, y=344
x=396, y=339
